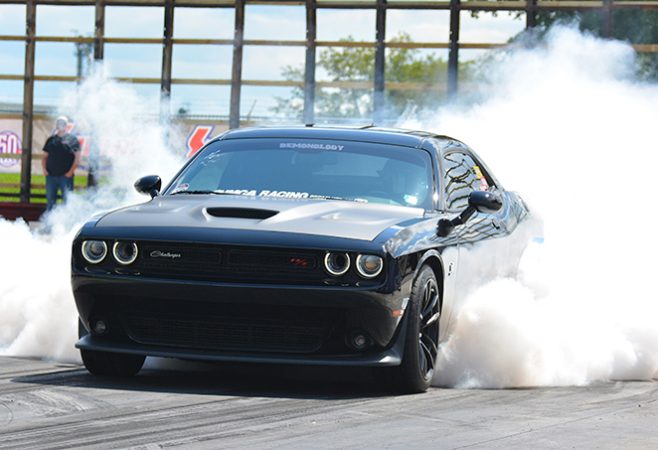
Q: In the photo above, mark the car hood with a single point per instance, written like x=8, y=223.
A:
x=334, y=218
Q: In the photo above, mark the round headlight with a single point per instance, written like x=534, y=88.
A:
x=94, y=251
x=369, y=266
x=336, y=263
x=125, y=252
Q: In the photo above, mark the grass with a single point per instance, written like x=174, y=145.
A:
x=15, y=179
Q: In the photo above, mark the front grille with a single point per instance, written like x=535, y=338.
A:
x=224, y=263
x=282, y=261
x=184, y=259
x=237, y=264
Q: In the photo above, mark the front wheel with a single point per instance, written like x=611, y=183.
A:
x=421, y=346
x=109, y=364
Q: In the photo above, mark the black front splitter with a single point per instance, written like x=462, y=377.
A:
x=390, y=357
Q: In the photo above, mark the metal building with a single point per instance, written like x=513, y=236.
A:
x=527, y=8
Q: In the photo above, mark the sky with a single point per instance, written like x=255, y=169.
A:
x=214, y=61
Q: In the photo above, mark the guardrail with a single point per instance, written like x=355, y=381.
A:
x=27, y=211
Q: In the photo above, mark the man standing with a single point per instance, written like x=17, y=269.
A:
x=60, y=159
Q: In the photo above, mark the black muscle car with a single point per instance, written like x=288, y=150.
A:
x=319, y=246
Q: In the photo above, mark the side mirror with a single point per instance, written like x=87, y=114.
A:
x=482, y=201
x=149, y=184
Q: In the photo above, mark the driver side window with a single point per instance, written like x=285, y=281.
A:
x=463, y=174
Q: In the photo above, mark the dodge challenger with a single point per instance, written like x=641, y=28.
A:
x=309, y=245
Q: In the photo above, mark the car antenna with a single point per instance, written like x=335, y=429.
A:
x=371, y=125
x=309, y=125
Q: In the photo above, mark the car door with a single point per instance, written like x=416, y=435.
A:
x=483, y=248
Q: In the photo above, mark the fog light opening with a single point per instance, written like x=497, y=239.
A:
x=360, y=341
x=99, y=326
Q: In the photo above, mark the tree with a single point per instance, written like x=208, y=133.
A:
x=635, y=26
x=357, y=64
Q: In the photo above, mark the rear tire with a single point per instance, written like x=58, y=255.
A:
x=422, y=336
x=109, y=364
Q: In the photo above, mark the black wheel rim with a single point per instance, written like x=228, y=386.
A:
x=428, y=332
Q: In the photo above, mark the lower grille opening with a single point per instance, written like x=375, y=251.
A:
x=223, y=333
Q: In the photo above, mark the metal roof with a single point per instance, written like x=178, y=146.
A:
x=393, y=136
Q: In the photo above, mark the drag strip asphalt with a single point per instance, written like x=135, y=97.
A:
x=51, y=405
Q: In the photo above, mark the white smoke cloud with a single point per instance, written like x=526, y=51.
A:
x=38, y=315
x=567, y=126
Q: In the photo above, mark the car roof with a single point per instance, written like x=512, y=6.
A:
x=394, y=136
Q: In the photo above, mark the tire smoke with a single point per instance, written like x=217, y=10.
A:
x=37, y=310
x=566, y=124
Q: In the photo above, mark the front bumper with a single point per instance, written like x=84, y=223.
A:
x=389, y=357
x=241, y=322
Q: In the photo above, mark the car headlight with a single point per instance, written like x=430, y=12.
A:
x=94, y=251
x=125, y=252
x=369, y=266
x=336, y=263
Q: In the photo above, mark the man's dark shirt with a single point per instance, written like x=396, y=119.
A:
x=61, y=153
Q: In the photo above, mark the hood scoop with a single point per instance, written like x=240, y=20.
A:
x=242, y=213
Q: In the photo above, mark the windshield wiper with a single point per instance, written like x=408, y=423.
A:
x=331, y=197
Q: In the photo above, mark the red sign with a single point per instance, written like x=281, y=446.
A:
x=199, y=137
x=10, y=144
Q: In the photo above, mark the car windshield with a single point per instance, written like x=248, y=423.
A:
x=317, y=169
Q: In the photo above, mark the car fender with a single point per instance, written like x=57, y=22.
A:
x=443, y=262
x=432, y=258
